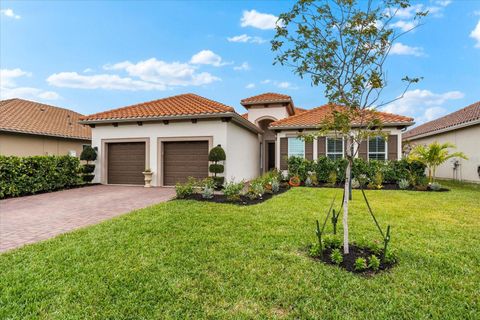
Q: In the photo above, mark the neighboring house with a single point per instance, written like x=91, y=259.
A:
x=30, y=128
x=462, y=128
x=172, y=137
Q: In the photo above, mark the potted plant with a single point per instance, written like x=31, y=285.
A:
x=148, y=177
x=294, y=181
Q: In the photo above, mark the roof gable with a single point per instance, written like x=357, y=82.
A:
x=268, y=97
x=24, y=116
x=463, y=116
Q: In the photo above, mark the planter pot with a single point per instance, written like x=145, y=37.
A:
x=148, y=179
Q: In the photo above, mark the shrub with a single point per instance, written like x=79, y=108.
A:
x=336, y=256
x=186, y=189
x=403, y=184
x=421, y=183
x=88, y=154
x=355, y=183
x=435, y=186
x=207, y=192
x=207, y=187
x=332, y=242
x=374, y=262
x=314, y=250
x=360, y=264
x=216, y=155
x=256, y=189
x=29, y=175
x=88, y=168
x=232, y=190
x=275, y=186
x=332, y=178
x=390, y=256
x=377, y=181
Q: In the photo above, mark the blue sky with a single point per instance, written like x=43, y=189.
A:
x=92, y=56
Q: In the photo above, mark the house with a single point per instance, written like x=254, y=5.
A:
x=172, y=137
x=462, y=128
x=29, y=128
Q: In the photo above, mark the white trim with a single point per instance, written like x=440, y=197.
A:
x=315, y=149
x=334, y=153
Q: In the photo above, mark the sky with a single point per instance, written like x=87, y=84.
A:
x=92, y=56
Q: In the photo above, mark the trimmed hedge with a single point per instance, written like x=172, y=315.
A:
x=29, y=175
x=393, y=171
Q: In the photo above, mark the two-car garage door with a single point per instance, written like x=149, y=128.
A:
x=180, y=160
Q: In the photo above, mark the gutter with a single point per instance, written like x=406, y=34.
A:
x=299, y=127
x=235, y=117
x=36, y=133
x=447, y=129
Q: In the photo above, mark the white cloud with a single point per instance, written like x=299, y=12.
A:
x=476, y=13
x=246, y=38
x=255, y=19
x=151, y=74
x=9, y=13
x=475, y=34
x=423, y=105
x=266, y=81
x=285, y=85
x=242, y=67
x=404, y=25
x=207, y=57
x=88, y=70
x=250, y=86
x=402, y=49
x=443, y=3
x=9, y=88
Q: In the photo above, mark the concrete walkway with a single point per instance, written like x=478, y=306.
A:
x=34, y=218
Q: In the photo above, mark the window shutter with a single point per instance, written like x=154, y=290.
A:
x=362, y=150
x=322, y=148
x=309, y=150
x=392, y=147
x=283, y=153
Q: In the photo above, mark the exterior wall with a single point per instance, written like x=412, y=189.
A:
x=293, y=133
x=242, y=157
x=466, y=141
x=273, y=111
x=23, y=145
x=243, y=154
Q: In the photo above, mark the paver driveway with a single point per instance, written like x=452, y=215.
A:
x=39, y=217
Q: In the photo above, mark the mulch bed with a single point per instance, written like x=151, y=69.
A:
x=348, y=262
x=244, y=200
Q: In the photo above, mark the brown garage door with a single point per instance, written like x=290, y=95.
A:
x=126, y=161
x=184, y=159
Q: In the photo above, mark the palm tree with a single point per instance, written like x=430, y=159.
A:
x=434, y=155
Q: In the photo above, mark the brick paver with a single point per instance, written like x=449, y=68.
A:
x=34, y=218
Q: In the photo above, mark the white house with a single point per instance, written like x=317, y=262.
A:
x=172, y=137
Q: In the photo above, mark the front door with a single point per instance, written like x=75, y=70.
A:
x=271, y=156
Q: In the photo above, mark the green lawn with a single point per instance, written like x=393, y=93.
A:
x=186, y=260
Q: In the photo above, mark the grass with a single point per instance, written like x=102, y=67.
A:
x=187, y=260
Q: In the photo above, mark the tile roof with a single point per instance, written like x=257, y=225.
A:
x=24, y=116
x=266, y=97
x=314, y=117
x=460, y=117
x=180, y=105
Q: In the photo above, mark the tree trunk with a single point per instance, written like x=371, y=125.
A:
x=347, y=195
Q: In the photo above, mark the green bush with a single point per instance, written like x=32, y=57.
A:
x=186, y=189
x=360, y=264
x=29, y=175
x=232, y=190
x=336, y=256
x=88, y=154
x=88, y=168
x=374, y=262
x=216, y=168
x=362, y=171
x=215, y=155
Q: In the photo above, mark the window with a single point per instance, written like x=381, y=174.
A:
x=377, y=148
x=335, y=148
x=296, y=147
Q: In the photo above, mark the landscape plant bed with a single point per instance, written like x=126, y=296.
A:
x=386, y=186
x=355, y=252
x=243, y=200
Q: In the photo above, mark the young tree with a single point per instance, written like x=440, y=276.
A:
x=342, y=45
x=434, y=155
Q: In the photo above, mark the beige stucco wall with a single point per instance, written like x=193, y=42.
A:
x=22, y=145
x=467, y=141
x=273, y=111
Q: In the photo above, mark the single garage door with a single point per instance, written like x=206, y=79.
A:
x=184, y=159
x=126, y=162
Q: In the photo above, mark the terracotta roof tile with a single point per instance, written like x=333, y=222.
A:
x=315, y=116
x=266, y=97
x=18, y=115
x=462, y=116
x=180, y=105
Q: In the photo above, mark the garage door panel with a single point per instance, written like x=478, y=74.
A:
x=184, y=159
x=126, y=161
